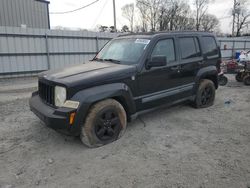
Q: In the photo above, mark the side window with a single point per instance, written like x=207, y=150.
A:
x=189, y=47
x=210, y=46
x=165, y=48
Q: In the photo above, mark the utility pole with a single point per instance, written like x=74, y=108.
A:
x=234, y=9
x=114, y=15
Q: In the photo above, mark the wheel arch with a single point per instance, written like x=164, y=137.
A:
x=87, y=97
x=125, y=105
x=213, y=78
x=209, y=73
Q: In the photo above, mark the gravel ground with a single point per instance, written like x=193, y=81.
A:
x=175, y=147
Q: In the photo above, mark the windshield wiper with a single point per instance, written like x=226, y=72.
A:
x=112, y=60
x=97, y=59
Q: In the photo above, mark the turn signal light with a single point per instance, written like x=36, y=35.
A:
x=72, y=118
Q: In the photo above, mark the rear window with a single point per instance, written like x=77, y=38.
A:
x=210, y=47
x=189, y=47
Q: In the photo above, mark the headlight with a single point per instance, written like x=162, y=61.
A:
x=60, y=95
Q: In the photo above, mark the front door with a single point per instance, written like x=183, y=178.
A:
x=160, y=85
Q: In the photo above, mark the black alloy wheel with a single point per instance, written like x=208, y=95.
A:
x=107, y=125
x=206, y=95
x=106, y=122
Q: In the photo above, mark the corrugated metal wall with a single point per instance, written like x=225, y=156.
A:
x=32, y=13
x=229, y=46
x=28, y=51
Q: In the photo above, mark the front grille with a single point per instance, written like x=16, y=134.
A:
x=46, y=93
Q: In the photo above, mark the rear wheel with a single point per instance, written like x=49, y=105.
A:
x=205, y=94
x=246, y=80
x=105, y=123
x=238, y=77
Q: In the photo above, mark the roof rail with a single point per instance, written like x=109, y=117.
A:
x=161, y=32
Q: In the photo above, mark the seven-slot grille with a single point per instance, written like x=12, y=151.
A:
x=46, y=93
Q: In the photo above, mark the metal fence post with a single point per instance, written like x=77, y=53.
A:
x=47, y=50
x=97, y=44
x=233, y=49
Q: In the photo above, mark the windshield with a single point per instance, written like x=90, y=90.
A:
x=124, y=51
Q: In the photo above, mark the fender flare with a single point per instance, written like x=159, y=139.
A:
x=207, y=72
x=89, y=96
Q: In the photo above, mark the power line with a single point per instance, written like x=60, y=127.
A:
x=103, y=7
x=85, y=6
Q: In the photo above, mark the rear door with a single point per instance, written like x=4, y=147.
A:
x=211, y=51
x=190, y=58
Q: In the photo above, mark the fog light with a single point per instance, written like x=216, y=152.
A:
x=72, y=118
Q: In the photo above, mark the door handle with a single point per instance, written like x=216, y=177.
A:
x=201, y=62
x=175, y=68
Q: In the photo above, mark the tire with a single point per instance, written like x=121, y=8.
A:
x=238, y=77
x=246, y=80
x=223, y=80
x=106, y=122
x=205, y=94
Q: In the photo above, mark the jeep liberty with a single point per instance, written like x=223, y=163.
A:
x=132, y=74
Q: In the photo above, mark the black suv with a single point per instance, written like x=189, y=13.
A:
x=132, y=74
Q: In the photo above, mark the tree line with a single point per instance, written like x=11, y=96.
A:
x=241, y=17
x=171, y=15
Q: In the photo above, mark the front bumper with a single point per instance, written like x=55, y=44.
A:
x=56, y=118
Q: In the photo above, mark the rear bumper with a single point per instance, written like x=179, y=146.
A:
x=55, y=118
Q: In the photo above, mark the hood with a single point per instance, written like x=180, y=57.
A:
x=92, y=72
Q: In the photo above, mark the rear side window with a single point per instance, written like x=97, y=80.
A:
x=165, y=48
x=189, y=47
x=210, y=47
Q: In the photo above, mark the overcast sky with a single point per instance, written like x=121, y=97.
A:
x=101, y=13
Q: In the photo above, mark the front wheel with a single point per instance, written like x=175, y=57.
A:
x=205, y=94
x=246, y=80
x=105, y=123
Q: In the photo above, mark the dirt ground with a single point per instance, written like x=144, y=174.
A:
x=175, y=147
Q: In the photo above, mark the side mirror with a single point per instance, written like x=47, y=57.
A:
x=157, y=61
